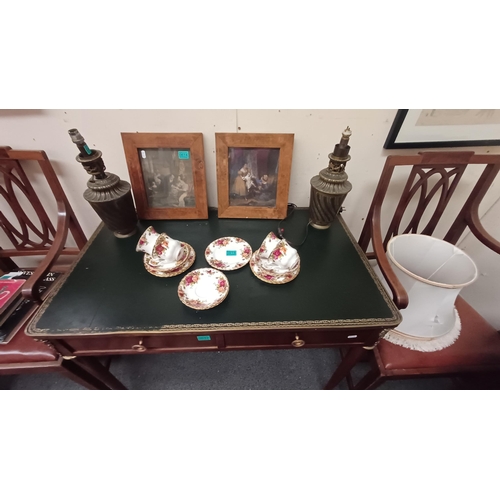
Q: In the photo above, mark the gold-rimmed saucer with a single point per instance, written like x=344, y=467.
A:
x=228, y=253
x=270, y=276
x=203, y=288
x=182, y=265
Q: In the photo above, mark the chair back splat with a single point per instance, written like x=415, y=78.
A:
x=26, y=223
x=433, y=174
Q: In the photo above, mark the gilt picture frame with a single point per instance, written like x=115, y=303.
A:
x=167, y=173
x=253, y=174
x=444, y=128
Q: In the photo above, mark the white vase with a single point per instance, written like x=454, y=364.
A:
x=433, y=272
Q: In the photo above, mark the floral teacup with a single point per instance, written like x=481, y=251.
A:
x=282, y=258
x=268, y=244
x=166, y=250
x=147, y=241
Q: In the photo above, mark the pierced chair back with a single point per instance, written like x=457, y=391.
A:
x=25, y=221
x=433, y=179
x=448, y=168
x=32, y=232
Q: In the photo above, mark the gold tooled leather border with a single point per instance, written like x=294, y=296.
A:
x=31, y=328
x=366, y=262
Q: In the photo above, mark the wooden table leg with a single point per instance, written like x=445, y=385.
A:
x=88, y=367
x=93, y=367
x=350, y=359
x=80, y=376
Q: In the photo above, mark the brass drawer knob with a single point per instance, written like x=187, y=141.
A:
x=298, y=342
x=139, y=347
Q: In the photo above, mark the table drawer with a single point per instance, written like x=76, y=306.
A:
x=317, y=338
x=132, y=343
x=121, y=344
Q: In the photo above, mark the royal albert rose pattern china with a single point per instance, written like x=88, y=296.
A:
x=203, y=288
x=269, y=243
x=282, y=258
x=147, y=241
x=274, y=278
x=276, y=261
x=163, y=256
x=228, y=253
x=167, y=249
x=187, y=257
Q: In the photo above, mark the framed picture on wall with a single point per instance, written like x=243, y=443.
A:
x=253, y=175
x=167, y=173
x=444, y=128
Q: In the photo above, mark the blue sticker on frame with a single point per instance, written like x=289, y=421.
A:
x=183, y=155
x=203, y=337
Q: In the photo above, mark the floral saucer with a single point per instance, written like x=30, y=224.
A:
x=228, y=254
x=203, y=288
x=272, y=277
x=185, y=261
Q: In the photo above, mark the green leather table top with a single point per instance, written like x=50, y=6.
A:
x=109, y=291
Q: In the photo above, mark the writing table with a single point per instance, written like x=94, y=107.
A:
x=108, y=304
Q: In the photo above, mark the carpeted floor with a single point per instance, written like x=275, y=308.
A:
x=285, y=369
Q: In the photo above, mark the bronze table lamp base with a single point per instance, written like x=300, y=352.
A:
x=108, y=195
x=330, y=187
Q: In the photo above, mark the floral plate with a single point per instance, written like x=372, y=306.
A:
x=270, y=276
x=185, y=261
x=203, y=288
x=228, y=254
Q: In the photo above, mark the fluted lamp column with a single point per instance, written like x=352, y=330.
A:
x=330, y=187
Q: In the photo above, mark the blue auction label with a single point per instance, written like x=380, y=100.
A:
x=231, y=253
x=183, y=155
x=203, y=337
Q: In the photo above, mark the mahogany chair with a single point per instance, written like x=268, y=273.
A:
x=478, y=347
x=35, y=235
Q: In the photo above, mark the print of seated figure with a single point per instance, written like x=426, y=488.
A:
x=178, y=190
x=248, y=189
x=264, y=189
x=183, y=189
x=157, y=190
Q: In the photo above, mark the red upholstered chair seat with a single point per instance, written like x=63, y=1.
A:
x=24, y=349
x=477, y=346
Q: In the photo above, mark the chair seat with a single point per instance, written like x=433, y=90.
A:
x=24, y=349
x=478, y=346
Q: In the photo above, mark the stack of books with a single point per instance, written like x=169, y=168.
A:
x=15, y=310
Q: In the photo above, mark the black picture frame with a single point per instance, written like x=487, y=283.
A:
x=391, y=141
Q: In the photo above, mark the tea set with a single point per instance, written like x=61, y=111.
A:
x=275, y=262
x=163, y=256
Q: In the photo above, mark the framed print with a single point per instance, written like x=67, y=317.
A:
x=444, y=128
x=253, y=175
x=167, y=173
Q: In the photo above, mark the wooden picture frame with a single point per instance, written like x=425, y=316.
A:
x=167, y=173
x=444, y=128
x=253, y=175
